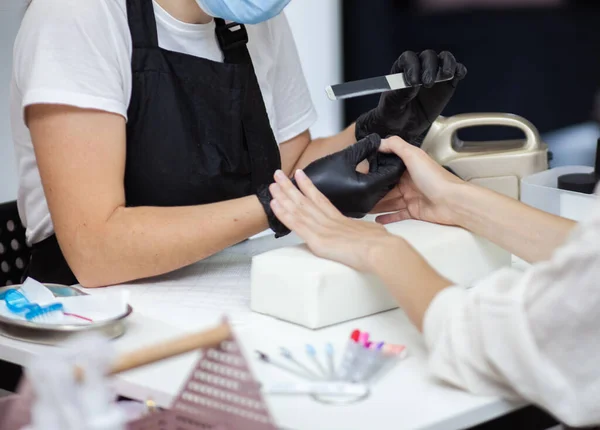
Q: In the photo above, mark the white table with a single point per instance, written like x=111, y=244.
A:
x=193, y=298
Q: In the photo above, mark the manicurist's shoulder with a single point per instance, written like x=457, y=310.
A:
x=66, y=11
x=75, y=52
x=64, y=21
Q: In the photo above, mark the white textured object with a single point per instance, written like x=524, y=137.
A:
x=294, y=285
x=61, y=402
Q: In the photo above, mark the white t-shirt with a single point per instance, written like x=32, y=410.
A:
x=78, y=52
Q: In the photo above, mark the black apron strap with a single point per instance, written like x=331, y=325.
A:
x=233, y=41
x=142, y=23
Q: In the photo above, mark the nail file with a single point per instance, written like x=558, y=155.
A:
x=368, y=86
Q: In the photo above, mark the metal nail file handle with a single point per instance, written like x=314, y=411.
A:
x=368, y=86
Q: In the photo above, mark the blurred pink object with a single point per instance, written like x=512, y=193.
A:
x=15, y=410
x=442, y=5
x=221, y=393
x=12, y=414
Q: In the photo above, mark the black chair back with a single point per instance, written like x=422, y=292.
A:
x=14, y=252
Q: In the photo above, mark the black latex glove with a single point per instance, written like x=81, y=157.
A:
x=352, y=192
x=409, y=112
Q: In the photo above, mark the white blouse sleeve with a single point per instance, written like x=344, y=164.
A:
x=533, y=335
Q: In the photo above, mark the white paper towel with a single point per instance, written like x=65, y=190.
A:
x=105, y=306
x=294, y=285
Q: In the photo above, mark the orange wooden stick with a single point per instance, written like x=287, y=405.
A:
x=168, y=349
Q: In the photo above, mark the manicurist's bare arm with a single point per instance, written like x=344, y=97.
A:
x=81, y=158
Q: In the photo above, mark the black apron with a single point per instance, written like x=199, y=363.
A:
x=197, y=130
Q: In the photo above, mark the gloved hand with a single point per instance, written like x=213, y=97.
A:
x=409, y=113
x=351, y=192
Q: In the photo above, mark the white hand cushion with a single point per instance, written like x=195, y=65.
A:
x=294, y=285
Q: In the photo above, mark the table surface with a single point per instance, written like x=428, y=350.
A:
x=198, y=296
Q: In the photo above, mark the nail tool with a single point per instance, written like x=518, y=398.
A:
x=363, y=87
x=395, y=350
x=329, y=351
x=265, y=358
x=287, y=354
x=369, y=362
x=392, y=354
x=312, y=353
x=353, y=349
x=363, y=338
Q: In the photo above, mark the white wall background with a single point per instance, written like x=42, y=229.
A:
x=317, y=30
x=316, y=25
x=11, y=12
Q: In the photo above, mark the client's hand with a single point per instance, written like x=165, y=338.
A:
x=353, y=193
x=424, y=191
x=327, y=232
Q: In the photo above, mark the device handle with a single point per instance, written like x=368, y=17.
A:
x=441, y=139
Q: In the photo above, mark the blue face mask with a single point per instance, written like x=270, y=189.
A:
x=243, y=11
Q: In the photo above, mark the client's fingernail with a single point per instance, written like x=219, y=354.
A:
x=301, y=174
x=275, y=204
x=274, y=188
x=279, y=174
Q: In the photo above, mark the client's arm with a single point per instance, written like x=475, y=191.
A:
x=523, y=230
x=428, y=192
x=531, y=335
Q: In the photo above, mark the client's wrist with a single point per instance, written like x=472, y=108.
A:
x=456, y=198
x=408, y=276
x=382, y=251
